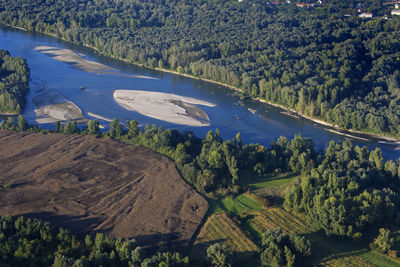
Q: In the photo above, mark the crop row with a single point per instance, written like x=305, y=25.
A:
x=273, y=218
x=221, y=228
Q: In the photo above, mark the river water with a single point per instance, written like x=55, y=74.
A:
x=256, y=122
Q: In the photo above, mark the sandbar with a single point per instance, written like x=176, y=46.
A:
x=77, y=61
x=167, y=107
x=51, y=106
x=97, y=116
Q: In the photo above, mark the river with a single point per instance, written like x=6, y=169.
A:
x=256, y=122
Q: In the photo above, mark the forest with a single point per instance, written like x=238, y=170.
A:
x=32, y=242
x=14, y=83
x=323, y=62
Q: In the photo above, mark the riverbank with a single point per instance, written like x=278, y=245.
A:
x=324, y=123
x=315, y=120
x=8, y=114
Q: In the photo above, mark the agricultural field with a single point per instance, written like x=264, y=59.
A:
x=89, y=185
x=276, y=217
x=220, y=228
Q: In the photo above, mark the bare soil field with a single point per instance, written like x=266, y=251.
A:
x=89, y=185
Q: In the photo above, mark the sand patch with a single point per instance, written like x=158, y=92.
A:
x=72, y=58
x=77, y=61
x=96, y=116
x=163, y=106
x=51, y=106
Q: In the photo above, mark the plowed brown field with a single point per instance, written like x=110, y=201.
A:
x=88, y=185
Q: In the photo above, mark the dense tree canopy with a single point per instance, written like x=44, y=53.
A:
x=282, y=249
x=14, y=82
x=350, y=190
x=343, y=69
x=31, y=242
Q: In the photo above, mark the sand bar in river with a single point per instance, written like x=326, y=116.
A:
x=51, y=106
x=70, y=57
x=167, y=107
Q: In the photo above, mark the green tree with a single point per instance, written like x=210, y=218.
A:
x=383, y=243
x=93, y=127
x=220, y=255
x=22, y=124
x=116, y=129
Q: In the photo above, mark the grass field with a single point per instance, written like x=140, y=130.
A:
x=263, y=182
x=220, y=228
x=354, y=261
x=234, y=205
x=378, y=259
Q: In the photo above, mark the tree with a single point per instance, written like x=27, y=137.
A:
x=116, y=129
x=220, y=255
x=71, y=128
x=133, y=128
x=383, y=243
x=93, y=127
x=22, y=124
x=281, y=249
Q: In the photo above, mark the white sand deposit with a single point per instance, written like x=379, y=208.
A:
x=97, y=116
x=70, y=57
x=163, y=106
x=51, y=106
x=76, y=60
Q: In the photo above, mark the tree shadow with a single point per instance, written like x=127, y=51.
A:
x=326, y=248
x=81, y=226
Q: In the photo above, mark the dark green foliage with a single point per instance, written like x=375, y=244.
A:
x=220, y=255
x=116, y=128
x=281, y=249
x=14, y=82
x=350, y=190
x=22, y=124
x=319, y=62
x=384, y=242
x=93, y=127
x=71, y=128
x=31, y=242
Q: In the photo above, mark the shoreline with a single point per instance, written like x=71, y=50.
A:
x=324, y=123
x=316, y=120
x=8, y=114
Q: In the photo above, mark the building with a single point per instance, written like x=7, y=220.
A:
x=395, y=12
x=307, y=5
x=365, y=15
